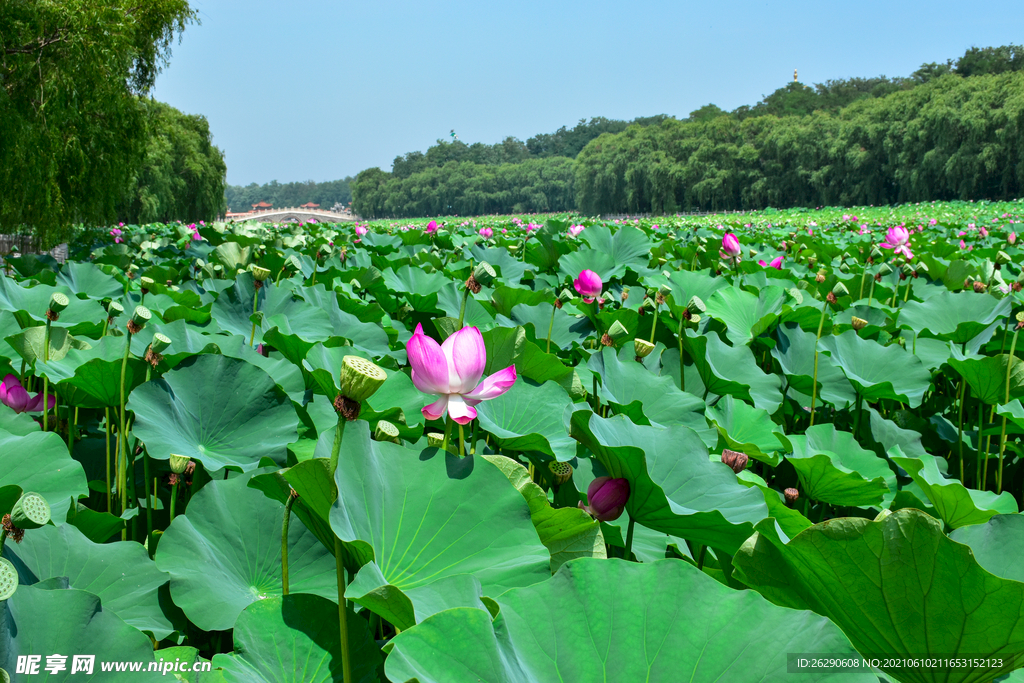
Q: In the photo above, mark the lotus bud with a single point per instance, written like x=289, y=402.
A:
x=8, y=580
x=884, y=269
x=484, y=274
x=695, y=305
x=791, y=495
x=642, y=348
x=160, y=343
x=385, y=431
x=179, y=463
x=736, y=460
x=259, y=273
x=140, y=317
x=617, y=332
x=1002, y=258
x=360, y=378
x=562, y=471
x=58, y=302
x=30, y=512
x=607, y=498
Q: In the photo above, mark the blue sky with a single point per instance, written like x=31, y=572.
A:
x=317, y=89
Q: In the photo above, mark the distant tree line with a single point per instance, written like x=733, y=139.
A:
x=326, y=194
x=950, y=130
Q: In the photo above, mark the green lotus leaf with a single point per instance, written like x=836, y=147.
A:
x=505, y=299
x=40, y=462
x=956, y=504
x=42, y=622
x=566, y=330
x=687, y=284
x=399, y=392
x=120, y=574
x=610, y=620
x=628, y=246
x=733, y=370
x=954, y=316
x=746, y=316
x=19, y=424
x=29, y=304
x=367, y=337
x=449, y=300
x=833, y=468
x=747, y=429
x=790, y=520
x=987, y=376
x=877, y=580
x=90, y=280
x=295, y=639
x=997, y=544
x=431, y=515
x=878, y=371
x=510, y=270
x=529, y=418
x=674, y=487
x=31, y=343
x=795, y=354
x=96, y=372
x=225, y=553
x=188, y=412
x=281, y=307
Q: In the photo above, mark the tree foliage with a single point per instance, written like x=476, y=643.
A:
x=326, y=194
x=71, y=125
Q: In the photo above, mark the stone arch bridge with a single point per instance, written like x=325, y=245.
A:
x=287, y=215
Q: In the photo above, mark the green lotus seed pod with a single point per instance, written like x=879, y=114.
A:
x=648, y=304
x=840, y=290
x=484, y=273
x=858, y=323
x=618, y=332
x=259, y=273
x=435, y=439
x=884, y=269
x=565, y=297
x=753, y=252
x=58, y=302
x=642, y=348
x=114, y=309
x=8, y=579
x=30, y=512
x=921, y=267
x=513, y=248
x=665, y=290
x=4, y=677
x=1020, y=317
x=694, y=318
x=146, y=282
x=797, y=295
x=385, y=431
x=360, y=378
x=159, y=343
x=562, y=471
x=1002, y=258
x=695, y=305
x=141, y=316
x=843, y=268
x=178, y=463
x=662, y=261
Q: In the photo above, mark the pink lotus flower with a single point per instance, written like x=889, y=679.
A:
x=13, y=395
x=486, y=232
x=776, y=263
x=1012, y=239
x=196, y=237
x=898, y=239
x=452, y=370
x=963, y=245
x=116, y=233
x=362, y=230
x=983, y=231
x=588, y=284
x=575, y=230
x=607, y=498
x=432, y=227
x=730, y=248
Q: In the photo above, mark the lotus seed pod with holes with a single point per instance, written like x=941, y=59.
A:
x=840, y=290
x=648, y=304
x=114, y=309
x=665, y=290
x=695, y=305
x=8, y=579
x=146, y=282
x=356, y=285
x=58, y=302
x=876, y=253
x=159, y=343
x=360, y=378
x=562, y=471
x=922, y=267
x=642, y=348
x=259, y=273
x=30, y=512
x=385, y=431
x=435, y=439
x=565, y=297
x=694, y=318
x=858, y=323
x=1020, y=317
x=141, y=316
x=618, y=332
x=884, y=269
x=1002, y=258
x=484, y=273
x=178, y=463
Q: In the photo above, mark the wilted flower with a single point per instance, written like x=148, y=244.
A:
x=589, y=285
x=14, y=396
x=453, y=370
x=735, y=460
x=897, y=238
x=607, y=498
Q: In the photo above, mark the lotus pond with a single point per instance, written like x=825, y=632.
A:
x=522, y=449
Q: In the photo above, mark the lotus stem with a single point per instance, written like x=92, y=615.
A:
x=856, y=415
x=1002, y=436
x=462, y=308
x=860, y=292
x=71, y=430
x=346, y=660
x=46, y=379
x=284, y=541
x=977, y=473
x=122, y=438
x=447, y=433
x=339, y=432
x=700, y=556
x=654, y=323
x=472, y=445
x=462, y=442
x=149, y=504
x=106, y=413
x=988, y=446
x=814, y=384
x=871, y=292
x=255, y=301
x=174, y=498
x=551, y=326
x=960, y=426
x=682, y=373
x=629, y=538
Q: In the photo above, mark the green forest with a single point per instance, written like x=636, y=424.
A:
x=326, y=194
x=952, y=130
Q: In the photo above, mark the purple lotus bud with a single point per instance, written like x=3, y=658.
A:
x=607, y=498
x=736, y=460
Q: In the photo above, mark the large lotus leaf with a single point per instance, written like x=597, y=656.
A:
x=225, y=553
x=431, y=515
x=399, y=392
x=746, y=316
x=95, y=282
x=956, y=504
x=610, y=620
x=510, y=269
x=232, y=256
x=186, y=341
x=833, y=468
x=96, y=371
x=31, y=343
x=790, y=520
x=71, y=622
x=529, y=418
x=795, y=354
x=539, y=367
x=566, y=330
x=30, y=304
x=18, y=424
x=218, y=410
x=279, y=307
x=40, y=462
x=987, y=376
x=364, y=336
x=568, y=533
x=285, y=374
x=733, y=370
x=504, y=299
x=674, y=487
x=897, y=587
x=295, y=639
x=747, y=429
x=954, y=316
x=878, y=371
x=449, y=301
x=627, y=246
x=323, y=363
x=686, y=284
x=998, y=544
x=419, y=287
x=120, y=574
